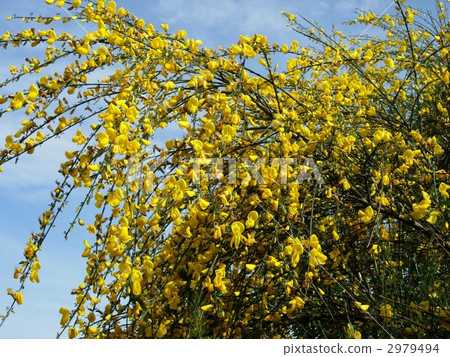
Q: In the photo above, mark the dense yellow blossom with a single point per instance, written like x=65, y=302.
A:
x=301, y=199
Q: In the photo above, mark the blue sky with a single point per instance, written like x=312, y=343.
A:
x=25, y=187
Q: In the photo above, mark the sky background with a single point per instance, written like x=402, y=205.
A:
x=25, y=187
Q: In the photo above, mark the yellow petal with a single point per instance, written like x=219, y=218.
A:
x=85, y=49
x=111, y=7
x=18, y=101
x=65, y=316
x=95, y=167
x=33, y=92
x=192, y=104
x=18, y=297
x=237, y=228
x=253, y=215
x=443, y=189
x=207, y=307
x=433, y=217
x=40, y=136
x=132, y=114
x=183, y=124
x=203, y=204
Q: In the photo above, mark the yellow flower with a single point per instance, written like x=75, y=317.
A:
x=209, y=127
x=184, y=124
x=79, y=138
x=121, y=12
x=371, y=111
x=207, y=307
x=136, y=279
x=443, y=190
x=409, y=156
x=375, y=250
x=351, y=332
x=252, y=217
x=378, y=136
x=217, y=231
x=157, y=43
x=248, y=51
x=87, y=249
x=203, y=204
x=235, y=49
x=192, y=105
x=33, y=92
x=316, y=258
x=424, y=305
x=111, y=7
x=314, y=241
x=228, y=132
x=73, y=332
x=297, y=251
x=94, y=167
x=360, y=306
x=85, y=49
x=410, y=16
x=65, y=315
x=433, y=217
x=416, y=135
x=181, y=34
x=368, y=55
x=99, y=198
x=344, y=182
x=30, y=249
x=34, y=276
x=237, y=228
x=179, y=190
x=420, y=210
x=124, y=235
x=18, y=297
x=92, y=331
x=389, y=62
x=140, y=24
x=366, y=215
x=132, y=114
x=40, y=136
x=103, y=139
x=18, y=101
x=386, y=312
x=175, y=213
x=51, y=37
x=250, y=267
x=218, y=279
x=297, y=303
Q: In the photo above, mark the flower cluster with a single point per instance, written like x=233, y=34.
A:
x=189, y=252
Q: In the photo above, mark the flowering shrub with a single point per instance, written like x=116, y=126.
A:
x=306, y=202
